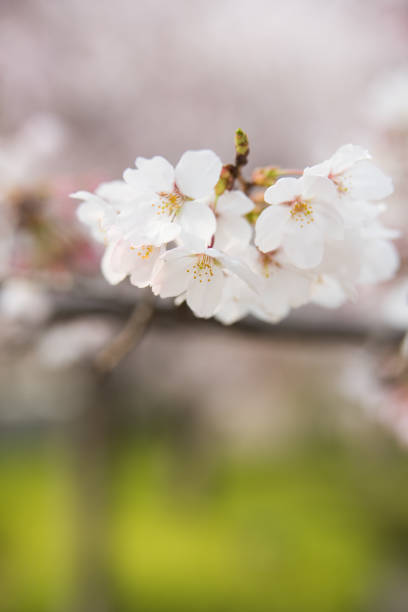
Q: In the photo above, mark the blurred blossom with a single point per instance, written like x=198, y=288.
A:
x=389, y=100
x=39, y=233
x=395, y=305
x=364, y=380
x=24, y=156
x=23, y=301
x=66, y=344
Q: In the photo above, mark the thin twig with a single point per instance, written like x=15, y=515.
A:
x=289, y=172
x=130, y=335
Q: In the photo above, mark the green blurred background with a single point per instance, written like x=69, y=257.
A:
x=139, y=499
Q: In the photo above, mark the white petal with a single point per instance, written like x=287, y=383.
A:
x=284, y=190
x=176, y=253
x=198, y=225
x=197, y=173
x=346, y=156
x=142, y=268
x=99, y=216
x=319, y=188
x=110, y=264
x=236, y=301
x=144, y=225
x=162, y=232
x=240, y=269
x=115, y=191
x=329, y=221
x=343, y=158
x=296, y=285
x=304, y=246
x=328, y=292
x=82, y=195
x=380, y=261
x=364, y=181
x=170, y=277
x=234, y=203
x=270, y=227
x=204, y=297
x=180, y=299
x=231, y=231
x=90, y=212
x=155, y=174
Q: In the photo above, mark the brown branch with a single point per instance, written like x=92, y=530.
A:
x=130, y=335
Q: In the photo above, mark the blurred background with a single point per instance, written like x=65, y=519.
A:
x=253, y=468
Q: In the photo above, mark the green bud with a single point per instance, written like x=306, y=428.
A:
x=226, y=180
x=241, y=147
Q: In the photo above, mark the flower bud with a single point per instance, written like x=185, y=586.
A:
x=266, y=176
x=241, y=147
x=226, y=180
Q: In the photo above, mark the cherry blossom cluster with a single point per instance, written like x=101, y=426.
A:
x=275, y=243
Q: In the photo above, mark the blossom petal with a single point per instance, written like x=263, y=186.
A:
x=329, y=221
x=197, y=173
x=240, y=269
x=304, y=247
x=234, y=203
x=152, y=175
x=142, y=265
x=236, y=301
x=380, y=261
x=284, y=190
x=328, y=292
x=270, y=227
x=157, y=172
x=232, y=230
x=170, y=277
x=364, y=181
x=143, y=224
x=115, y=191
x=113, y=272
x=343, y=158
x=198, y=225
x=203, y=296
x=319, y=188
x=346, y=156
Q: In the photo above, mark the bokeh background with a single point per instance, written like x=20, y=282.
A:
x=246, y=469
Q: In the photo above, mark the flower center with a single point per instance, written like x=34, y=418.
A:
x=268, y=262
x=144, y=251
x=168, y=204
x=302, y=212
x=341, y=188
x=202, y=269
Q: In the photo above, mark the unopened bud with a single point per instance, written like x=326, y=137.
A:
x=266, y=176
x=241, y=147
x=226, y=180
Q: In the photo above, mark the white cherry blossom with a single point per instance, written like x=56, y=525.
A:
x=280, y=287
x=100, y=210
x=354, y=174
x=301, y=218
x=365, y=256
x=173, y=201
x=201, y=276
x=283, y=286
x=318, y=239
x=122, y=259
